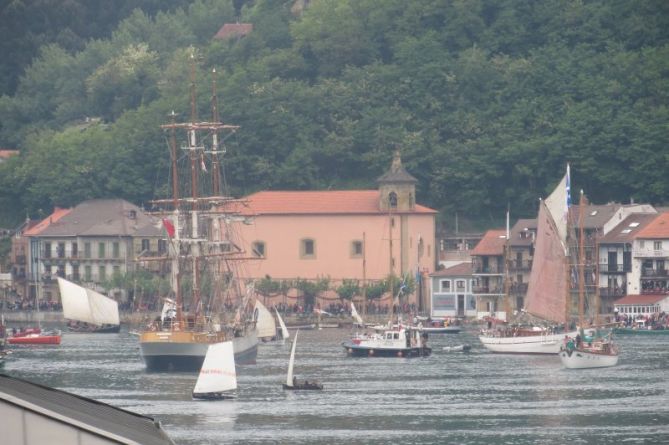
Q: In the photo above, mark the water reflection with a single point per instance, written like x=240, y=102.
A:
x=475, y=398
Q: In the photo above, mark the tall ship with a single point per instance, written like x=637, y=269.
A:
x=211, y=302
x=548, y=294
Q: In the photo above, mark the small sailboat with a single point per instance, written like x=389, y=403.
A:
x=600, y=352
x=356, y=316
x=284, y=330
x=291, y=381
x=88, y=310
x=265, y=325
x=218, y=377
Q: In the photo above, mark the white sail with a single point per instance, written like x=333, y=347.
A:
x=218, y=370
x=169, y=309
x=82, y=304
x=284, y=330
x=355, y=314
x=289, y=377
x=265, y=325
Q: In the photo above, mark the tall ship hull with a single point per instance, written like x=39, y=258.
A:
x=531, y=344
x=169, y=351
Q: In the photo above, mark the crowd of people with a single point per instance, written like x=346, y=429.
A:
x=654, y=321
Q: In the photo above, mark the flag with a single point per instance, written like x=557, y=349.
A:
x=169, y=227
x=568, y=188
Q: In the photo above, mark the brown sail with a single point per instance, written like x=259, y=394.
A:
x=547, y=291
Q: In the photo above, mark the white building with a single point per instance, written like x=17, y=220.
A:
x=451, y=292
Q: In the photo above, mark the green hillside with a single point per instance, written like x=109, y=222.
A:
x=487, y=100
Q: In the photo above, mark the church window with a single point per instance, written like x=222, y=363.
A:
x=392, y=200
x=259, y=249
x=356, y=249
x=307, y=248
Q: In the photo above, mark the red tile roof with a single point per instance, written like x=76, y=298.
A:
x=6, y=154
x=492, y=243
x=462, y=269
x=233, y=30
x=628, y=229
x=657, y=228
x=641, y=299
x=317, y=202
x=57, y=214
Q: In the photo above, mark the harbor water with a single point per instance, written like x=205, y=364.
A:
x=449, y=397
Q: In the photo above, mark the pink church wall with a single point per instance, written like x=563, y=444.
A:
x=333, y=235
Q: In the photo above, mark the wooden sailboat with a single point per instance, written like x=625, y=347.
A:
x=88, y=310
x=292, y=383
x=548, y=290
x=284, y=330
x=203, y=254
x=597, y=349
x=218, y=377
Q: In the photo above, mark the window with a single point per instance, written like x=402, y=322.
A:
x=102, y=274
x=356, y=249
x=162, y=246
x=460, y=285
x=75, y=250
x=117, y=271
x=75, y=272
x=87, y=273
x=392, y=200
x=60, y=250
x=657, y=245
x=445, y=285
x=47, y=250
x=307, y=248
x=116, y=249
x=146, y=245
x=101, y=250
x=87, y=250
x=258, y=249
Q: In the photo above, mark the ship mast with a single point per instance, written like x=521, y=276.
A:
x=581, y=261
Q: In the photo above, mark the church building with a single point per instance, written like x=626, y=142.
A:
x=364, y=235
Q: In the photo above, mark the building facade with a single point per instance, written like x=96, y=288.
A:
x=90, y=244
x=364, y=235
x=451, y=290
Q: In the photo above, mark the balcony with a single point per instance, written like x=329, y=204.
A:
x=647, y=272
x=488, y=290
x=490, y=269
x=525, y=265
x=518, y=288
x=612, y=292
x=614, y=268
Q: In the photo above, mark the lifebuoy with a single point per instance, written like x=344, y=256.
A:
x=371, y=352
x=399, y=353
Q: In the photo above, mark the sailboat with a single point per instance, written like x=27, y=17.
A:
x=284, y=330
x=591, y=348
x=88, y=310
x=203, y=252
x=548, y=290
x=356, y=316
x=265, y=324
x=217, y=376
x=291, y=381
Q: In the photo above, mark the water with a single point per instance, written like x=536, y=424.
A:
x=475, y=398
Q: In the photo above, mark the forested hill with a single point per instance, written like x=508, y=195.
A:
x=487, y=100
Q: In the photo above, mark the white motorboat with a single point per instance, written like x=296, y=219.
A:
x=394, y=342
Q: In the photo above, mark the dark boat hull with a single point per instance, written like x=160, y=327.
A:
x=364, y=351
x=304, y=387
x=93, y=330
